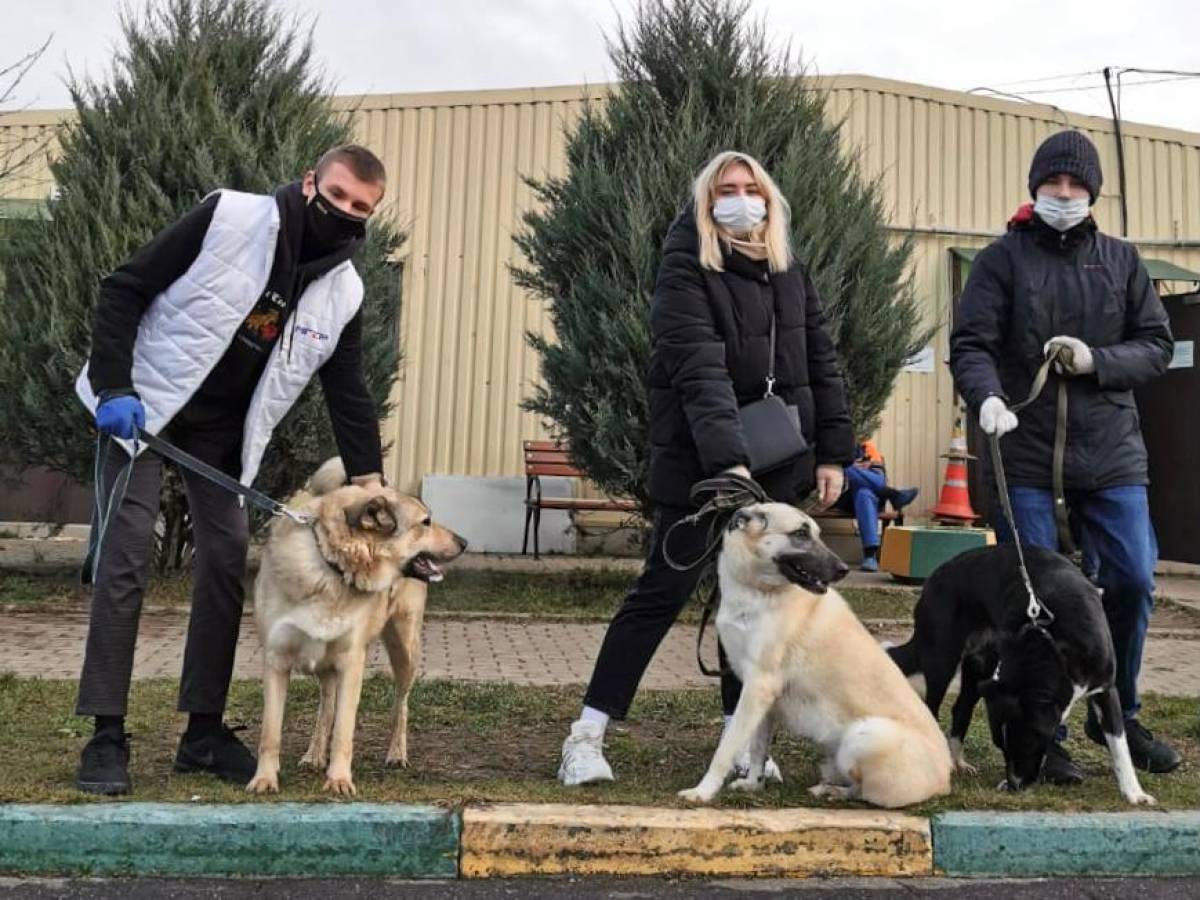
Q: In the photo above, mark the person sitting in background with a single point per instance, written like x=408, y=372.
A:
x=866, y=492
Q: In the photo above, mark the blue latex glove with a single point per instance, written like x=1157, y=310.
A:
x=120, y=416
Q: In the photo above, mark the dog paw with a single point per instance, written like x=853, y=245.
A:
x=396, y=761
x=746, y=785
x=339, y=785
x=830, y=791
x=695, y=795
x=313, y=761
x=1142, y=799
x=262, y=784
x=962, y=767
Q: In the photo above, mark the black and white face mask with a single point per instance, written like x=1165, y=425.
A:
x=326, y=228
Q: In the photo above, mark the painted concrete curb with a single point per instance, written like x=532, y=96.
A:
x=247, y=839
x=504, y=840
x=1043, y=844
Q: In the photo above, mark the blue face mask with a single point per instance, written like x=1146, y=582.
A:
x=1061, y=215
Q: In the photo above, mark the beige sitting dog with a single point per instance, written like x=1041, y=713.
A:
x=324, y=592
x=807, y=664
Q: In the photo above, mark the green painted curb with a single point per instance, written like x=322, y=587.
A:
x=250, y=839
x=1038, y=844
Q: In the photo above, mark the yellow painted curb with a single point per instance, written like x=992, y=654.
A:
x=558, y=839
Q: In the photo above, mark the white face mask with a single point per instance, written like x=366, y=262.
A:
x=739, y=214
x=1061, y=215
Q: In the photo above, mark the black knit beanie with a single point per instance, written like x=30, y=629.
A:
x=1070, y=152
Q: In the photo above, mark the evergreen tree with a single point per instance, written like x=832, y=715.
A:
x=204, y=94
x=697, y=77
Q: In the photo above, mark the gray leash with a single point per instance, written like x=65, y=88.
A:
x=106, y=507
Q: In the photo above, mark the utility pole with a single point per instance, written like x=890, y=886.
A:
x=1120, y=151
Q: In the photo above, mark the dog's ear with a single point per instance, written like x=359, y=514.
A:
x=374, y=515
x=1000, y=699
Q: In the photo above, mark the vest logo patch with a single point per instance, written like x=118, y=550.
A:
x=311, y=335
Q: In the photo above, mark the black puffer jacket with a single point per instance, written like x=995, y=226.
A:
x=1031, y=285
x=710, y=333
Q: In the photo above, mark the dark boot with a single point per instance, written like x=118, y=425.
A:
x=219, y=753
x=1148, y=753
x=901, y=499
x=104, y=764
x=1059, y=768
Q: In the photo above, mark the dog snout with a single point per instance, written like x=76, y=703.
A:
x=840, y=571
x=460, y=540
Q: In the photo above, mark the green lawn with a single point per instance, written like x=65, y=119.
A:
x=579, y=594
x=582, y=594
x=476, y=742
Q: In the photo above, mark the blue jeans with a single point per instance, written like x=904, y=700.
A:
x=864, y=488
x=1116, y=535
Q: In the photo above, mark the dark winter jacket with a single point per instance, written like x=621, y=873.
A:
x=1031, y=285
x=710, y=333
x=223, y=398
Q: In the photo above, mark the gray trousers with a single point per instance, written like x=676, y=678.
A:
x=221, y=533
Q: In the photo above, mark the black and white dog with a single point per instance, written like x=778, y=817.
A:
x=972, y=615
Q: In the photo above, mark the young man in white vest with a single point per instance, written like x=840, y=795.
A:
x=207, y=336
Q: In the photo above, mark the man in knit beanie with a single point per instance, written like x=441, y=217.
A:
x=1055, y=281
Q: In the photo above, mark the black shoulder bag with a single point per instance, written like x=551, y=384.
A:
x=770, y=426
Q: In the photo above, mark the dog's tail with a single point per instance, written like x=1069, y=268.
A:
x=906, y=657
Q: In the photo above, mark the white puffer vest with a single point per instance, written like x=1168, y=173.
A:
x=188, y=327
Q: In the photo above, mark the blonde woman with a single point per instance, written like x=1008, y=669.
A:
x=728, y=270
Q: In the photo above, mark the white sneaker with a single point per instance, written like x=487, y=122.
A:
x=583, y=756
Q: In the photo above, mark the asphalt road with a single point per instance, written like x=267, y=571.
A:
x=617, y=889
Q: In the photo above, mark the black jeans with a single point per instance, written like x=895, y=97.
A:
x=649, y=610
x=221, y=533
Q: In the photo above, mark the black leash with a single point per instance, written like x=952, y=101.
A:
x=1036, y=611
x=105, y=507
x=719, y=498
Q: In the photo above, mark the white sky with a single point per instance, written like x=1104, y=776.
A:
x=396, y=46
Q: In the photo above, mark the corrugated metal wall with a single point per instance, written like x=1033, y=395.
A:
x=457, y=164
x=952, y=167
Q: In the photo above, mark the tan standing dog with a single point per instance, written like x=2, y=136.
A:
x=324, y=592
x=809, y=665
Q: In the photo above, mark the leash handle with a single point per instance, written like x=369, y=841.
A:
x=726, y=493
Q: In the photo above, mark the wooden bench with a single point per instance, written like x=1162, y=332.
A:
x=890, y=517
x=550, y=458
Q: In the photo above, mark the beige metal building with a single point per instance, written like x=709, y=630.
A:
x=952, y=166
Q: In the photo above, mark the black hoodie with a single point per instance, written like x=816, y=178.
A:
x=221, y=402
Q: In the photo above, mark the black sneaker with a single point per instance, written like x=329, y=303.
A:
x=1147, y=752
x=1059, y=768
x=220, y=753
x=104, y=764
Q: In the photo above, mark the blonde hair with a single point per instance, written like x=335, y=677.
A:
x=772, y=232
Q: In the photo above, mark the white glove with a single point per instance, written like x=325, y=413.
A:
x=737, y=470
x=1075, y=358
x=996, y=418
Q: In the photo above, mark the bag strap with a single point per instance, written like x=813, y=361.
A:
x=771, y=359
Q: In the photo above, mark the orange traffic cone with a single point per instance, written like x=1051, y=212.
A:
x=954, y=503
